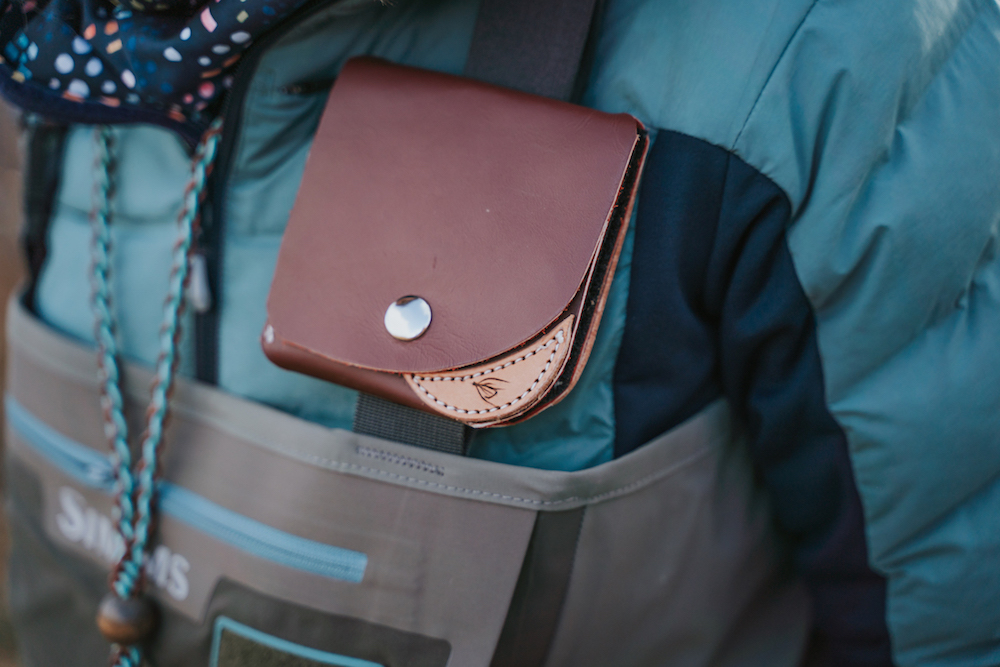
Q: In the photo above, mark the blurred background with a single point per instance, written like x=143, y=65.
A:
x=10, y=272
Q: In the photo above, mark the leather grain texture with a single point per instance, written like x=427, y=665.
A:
x=492, y=205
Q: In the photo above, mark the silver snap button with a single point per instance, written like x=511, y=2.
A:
x=407, y=318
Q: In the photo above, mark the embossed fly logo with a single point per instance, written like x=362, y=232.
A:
x=488, y=389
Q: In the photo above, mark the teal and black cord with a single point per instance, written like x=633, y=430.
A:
x=126, y=616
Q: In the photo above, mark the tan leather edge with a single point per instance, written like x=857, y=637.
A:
x=591, y=334
x=585, y=339
x=493, y=392
x=289, y=356
x=282, y=347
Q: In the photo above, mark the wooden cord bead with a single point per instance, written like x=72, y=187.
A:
x=126, y=621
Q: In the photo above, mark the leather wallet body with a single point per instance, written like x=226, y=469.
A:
x=503, y=212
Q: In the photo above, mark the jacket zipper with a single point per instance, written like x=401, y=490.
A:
x=213, y=218
x=94, y=470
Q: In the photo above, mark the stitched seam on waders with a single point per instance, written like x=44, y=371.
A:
x=331, y=463
x=399, y=459
x=193, y=415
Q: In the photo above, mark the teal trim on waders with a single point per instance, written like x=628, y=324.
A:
x=281, y=646
x=96, y=471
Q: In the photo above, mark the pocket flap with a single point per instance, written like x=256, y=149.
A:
x=489, y=204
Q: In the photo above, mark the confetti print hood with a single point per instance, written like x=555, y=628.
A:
x=167, y=62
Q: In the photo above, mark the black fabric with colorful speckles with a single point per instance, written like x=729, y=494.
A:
x=164, y=61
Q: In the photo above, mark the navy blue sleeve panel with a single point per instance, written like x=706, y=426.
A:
x=715, y=308
x=667, y=369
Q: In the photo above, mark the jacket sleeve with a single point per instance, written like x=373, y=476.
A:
x=713, y=283
x=771, y=371
x=878, y=123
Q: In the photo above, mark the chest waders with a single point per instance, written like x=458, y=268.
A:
x=268, y=540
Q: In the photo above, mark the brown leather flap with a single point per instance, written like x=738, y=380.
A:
x=488, y=203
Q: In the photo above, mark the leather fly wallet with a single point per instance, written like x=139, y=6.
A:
x=452, y=242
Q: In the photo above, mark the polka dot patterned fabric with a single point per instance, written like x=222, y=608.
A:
x=172, y=56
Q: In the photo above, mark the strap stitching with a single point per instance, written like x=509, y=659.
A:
x=399, y=459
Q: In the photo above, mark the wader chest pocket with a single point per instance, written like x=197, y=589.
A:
x=347, y=546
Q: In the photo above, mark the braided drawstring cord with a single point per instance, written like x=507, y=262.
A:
x=115, y=428
x=125, y=616
x=127, y=656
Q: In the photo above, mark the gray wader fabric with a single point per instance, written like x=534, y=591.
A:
x=297, y=545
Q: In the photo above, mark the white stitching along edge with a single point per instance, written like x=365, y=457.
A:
x=557, y=339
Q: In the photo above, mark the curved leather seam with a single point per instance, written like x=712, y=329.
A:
x=558, y=339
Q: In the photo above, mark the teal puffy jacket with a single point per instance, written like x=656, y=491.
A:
x=816, y=240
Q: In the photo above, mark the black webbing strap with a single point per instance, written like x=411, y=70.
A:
x=532, y=45
x=537, y=603
x=391, y=421
x=539, y=47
